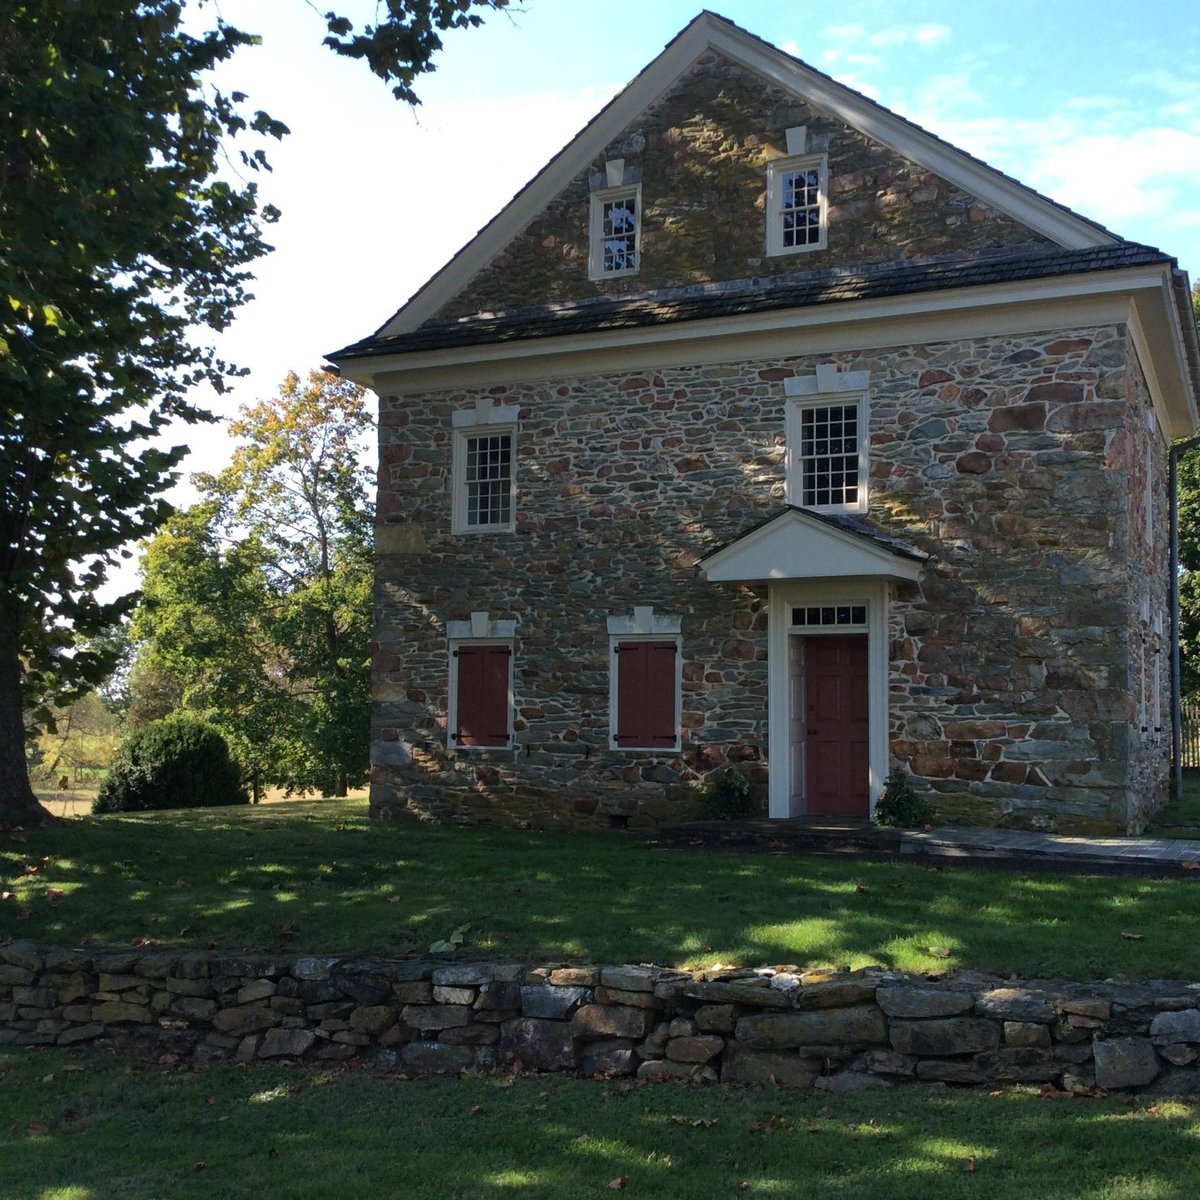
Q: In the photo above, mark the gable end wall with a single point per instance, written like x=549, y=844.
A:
x=702, y=152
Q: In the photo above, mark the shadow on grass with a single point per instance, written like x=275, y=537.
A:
x=294, y=1132
x=321, y=876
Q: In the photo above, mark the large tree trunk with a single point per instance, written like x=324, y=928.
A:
x=18, y=804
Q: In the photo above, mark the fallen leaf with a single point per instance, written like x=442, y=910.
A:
x=970, y=1163
x=1189, y=865
x=940, y=951
x=137, y=941
x=618, y=1184
x=48, y=1078
x=8, y=895
x=32, y=868
x=181, y=883
x=54, y=895
x=24, y=912
x=860, y=887
x=1132, y=935
x=74, y=1067
x=476, y=1109
x=199, y=1165
x=38, y=1127
x=272, y=1153
x=744, y=1186
x=393, y=900
x=287, y=929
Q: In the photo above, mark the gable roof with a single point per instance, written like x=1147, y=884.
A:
x=798, y=543
x=827, y=286
x=710, y=32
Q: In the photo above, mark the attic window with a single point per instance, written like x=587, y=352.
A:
x=796, y=204
x=616, y=232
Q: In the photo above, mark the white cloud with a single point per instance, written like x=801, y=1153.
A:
x=845, y=33
x=921, y=35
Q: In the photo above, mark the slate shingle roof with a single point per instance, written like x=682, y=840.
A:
x=858, y=526
x=829, y=286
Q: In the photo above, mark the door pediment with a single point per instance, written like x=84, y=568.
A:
x=798, y=544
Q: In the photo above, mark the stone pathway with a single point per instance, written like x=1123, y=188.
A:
x=1008, y=848
x=953, y=842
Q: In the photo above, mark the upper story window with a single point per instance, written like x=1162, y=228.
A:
x=827, y=444
x=616, y=224
x=797, y=206
x=484, y=475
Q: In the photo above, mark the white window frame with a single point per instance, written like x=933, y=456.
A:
x=829, y=387
x=480, y=630
x=483, y=420
x=596, y=237
x=644, y=625
x=775, y=172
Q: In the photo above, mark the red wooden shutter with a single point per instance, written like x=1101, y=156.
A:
x=482, y=696
x=646, y=695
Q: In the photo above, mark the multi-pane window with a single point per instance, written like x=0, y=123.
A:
x=487, y=479
x=830, y=614
x=796, y=205
x=616, y=232
x=800, y=208
x=829, y=456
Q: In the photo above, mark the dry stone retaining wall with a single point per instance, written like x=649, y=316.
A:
x=832, y=1030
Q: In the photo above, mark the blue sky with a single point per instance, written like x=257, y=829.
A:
x=1095, y=103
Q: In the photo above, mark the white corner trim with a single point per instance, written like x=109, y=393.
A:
x=645, y=621
x=480, y=626
x=827, y=379
x=484, y=412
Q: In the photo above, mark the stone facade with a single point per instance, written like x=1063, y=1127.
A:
x=1023, y=384
x=701, y=153
x=829, y=1030
x=1018, y=463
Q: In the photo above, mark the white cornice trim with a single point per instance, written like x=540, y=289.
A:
x=1034, y=304
x=706, y=33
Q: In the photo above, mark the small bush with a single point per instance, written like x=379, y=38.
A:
x=726, y=796
x=178, y=762
x=901, y=805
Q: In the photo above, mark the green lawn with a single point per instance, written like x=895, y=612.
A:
x=90, y=1127
x=1180, y=819
x=321, y=876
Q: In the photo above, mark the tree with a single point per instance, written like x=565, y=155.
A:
x=120, y=240
x=258, y=599
x=1189, y=557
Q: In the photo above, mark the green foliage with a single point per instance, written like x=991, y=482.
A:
x=124, y=239
x=179, y=762
x=727, y=796
x=901, y=805
x=256, y=608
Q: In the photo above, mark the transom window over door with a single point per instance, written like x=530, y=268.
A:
x=827, y=458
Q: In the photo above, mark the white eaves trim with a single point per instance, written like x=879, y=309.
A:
x=708, y=32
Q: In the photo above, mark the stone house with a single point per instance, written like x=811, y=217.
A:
x=765, y=428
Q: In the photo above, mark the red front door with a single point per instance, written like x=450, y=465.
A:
x=836, y=759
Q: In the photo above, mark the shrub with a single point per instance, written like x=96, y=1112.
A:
x=901, y=805
x=726, y=796
x=178, y=762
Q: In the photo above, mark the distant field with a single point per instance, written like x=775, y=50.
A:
x=77, y=801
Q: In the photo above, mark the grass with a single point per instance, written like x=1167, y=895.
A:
x=1181, y=818
x=89, y=1127
x=320, y=876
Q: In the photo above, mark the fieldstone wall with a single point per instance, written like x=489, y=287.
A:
x=1016, y=662
x=701, y=153
x=828, y=1029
